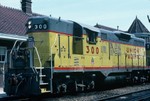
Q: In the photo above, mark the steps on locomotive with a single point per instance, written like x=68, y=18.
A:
x=42, y=75
x=43, y=84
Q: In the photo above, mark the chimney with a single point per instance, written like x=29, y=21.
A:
x=26, y=6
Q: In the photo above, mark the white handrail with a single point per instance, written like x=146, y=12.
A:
x=51, y=87
x=11, y=53
x=38, y=56
x=5, y=61
x=4, y=67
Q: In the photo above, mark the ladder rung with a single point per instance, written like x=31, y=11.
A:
x=39, y=67
x=43, y=83
x=42, y=75
x=48, y=91
x=43, y=90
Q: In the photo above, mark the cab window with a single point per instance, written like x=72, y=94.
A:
x=92, y=36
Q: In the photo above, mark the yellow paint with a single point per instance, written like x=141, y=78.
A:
x=102, y=54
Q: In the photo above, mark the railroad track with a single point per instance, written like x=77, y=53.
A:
x=118, y=94
x=14, y=98
x=131, y=93
x=31, y=98
x=143, y=95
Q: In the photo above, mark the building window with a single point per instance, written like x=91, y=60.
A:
x=2, y=54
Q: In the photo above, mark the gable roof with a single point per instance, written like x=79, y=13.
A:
x=137, y=27
x=12, y=21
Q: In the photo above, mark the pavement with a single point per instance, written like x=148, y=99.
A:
x=1, y=84
x=2, y=93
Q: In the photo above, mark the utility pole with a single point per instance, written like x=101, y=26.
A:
x=148, y=18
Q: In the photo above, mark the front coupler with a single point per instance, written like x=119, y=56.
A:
x=21, y=82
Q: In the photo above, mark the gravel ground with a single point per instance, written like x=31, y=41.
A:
x=92, y=96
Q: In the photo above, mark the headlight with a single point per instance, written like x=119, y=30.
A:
x=29, y=24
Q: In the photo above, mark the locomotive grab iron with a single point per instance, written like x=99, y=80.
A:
x=65, y=56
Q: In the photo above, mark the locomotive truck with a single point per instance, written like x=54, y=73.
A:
x=65, y=56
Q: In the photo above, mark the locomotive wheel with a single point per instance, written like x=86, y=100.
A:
x=62, y=88
x=90, y=86
x=71, y=87
x=55, y=87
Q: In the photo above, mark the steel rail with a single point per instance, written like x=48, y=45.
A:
x=141, y=95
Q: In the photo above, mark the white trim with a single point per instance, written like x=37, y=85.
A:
x=13, y=37
x=5, y=49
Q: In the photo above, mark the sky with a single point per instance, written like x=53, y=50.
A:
x=111, y=13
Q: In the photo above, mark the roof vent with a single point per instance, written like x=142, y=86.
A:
x=26, y=6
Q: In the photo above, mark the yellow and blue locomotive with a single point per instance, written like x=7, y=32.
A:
x=66, y=56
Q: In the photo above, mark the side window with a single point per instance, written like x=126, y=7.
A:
x=92, y=36
x=77, y=39
x=2, y=54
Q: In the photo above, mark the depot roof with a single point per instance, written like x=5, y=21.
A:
x=13, y=37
